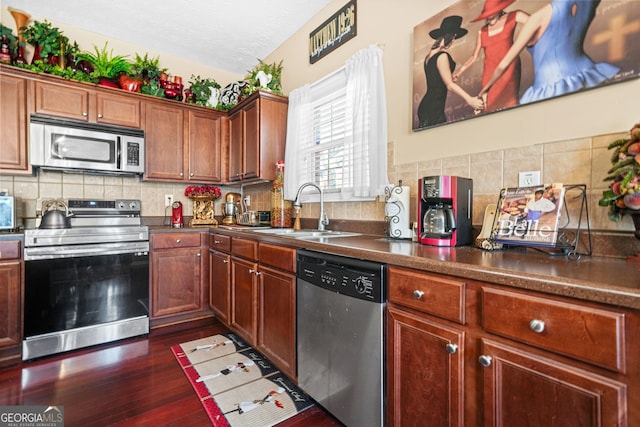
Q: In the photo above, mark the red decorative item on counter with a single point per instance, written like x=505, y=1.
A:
x=210, y=191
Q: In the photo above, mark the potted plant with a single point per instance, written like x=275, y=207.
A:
x=11, y=39
x=145, y=70
x=204, y=92
x=265, y=76
x=107, y=68
x=47, y=40
x=623, y=195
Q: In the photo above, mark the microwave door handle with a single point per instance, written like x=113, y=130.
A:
x=54, y=149
x=118, y=153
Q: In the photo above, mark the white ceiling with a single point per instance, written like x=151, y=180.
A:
x=230, y=35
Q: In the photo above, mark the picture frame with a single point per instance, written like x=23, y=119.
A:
x=605, y=51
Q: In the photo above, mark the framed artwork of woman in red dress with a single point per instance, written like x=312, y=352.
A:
x=523, y=51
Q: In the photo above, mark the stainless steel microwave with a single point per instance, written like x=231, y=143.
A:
x=77, y=146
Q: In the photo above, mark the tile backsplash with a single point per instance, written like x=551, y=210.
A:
x=579, y=161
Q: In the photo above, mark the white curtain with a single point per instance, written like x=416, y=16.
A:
x=299, y=136
x=366, y=106
x=366, y=117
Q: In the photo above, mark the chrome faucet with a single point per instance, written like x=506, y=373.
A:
x=324, y=219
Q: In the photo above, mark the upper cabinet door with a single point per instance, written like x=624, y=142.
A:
x=13, y=132
x=205, y=154
x=251, y=166
x=164, y=140
x=236, y=143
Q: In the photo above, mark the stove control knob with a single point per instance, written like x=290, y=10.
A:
x=121, y=205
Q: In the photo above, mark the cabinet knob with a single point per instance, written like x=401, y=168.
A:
x=100, y=116
x=198, y=254
x=181, y=174
x=191, y=174
x=537, y=326
x=258, y=273
x=177, y=240
x=225, y=261
x=485, y=360
x=217, y=242
x=251, y=271
x=85, y=114
x=417, y=294
x=451, y=348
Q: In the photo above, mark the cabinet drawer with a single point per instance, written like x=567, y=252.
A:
x=586, y=333
x=440, y=296
x=281, y=257
x=10, y=249
x=244, y=248
x=175, y=240
x=220, y=242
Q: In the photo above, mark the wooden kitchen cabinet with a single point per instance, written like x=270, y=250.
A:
x=500, y=356
x=257, y=134
x=182, y=144
x=11, y=279
x=75, y=102
x=14, y=155
x=244, y=292
x=277, y=306
x=179, y=277
x=425, y=357
x=220, y=276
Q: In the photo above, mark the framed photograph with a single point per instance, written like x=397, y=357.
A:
x=7, y=213
x=484, y=56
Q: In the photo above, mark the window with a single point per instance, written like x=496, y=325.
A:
x=330, y=140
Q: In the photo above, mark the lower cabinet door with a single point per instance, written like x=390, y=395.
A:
x=277, y=318
x=176, y=282
x=220, y=285
x=243, y=298
x=522, y=388
x=425, y=371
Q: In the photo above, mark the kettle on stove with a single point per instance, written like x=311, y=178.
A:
x=439, y=221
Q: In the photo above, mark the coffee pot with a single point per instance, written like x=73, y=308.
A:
x=439, y=221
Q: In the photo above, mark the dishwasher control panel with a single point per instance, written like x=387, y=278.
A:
x=347, y=276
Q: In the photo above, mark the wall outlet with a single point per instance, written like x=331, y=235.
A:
x=168, y=200
x=527, y=179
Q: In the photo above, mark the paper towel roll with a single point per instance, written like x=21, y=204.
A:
x=397, y=211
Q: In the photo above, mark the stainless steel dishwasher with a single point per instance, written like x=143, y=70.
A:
x=340, y=331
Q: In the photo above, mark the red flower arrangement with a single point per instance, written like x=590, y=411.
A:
x=210, y=191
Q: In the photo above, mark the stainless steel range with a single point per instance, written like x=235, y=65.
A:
x=87, y=282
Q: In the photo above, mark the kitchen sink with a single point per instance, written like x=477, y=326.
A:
x=304, y=233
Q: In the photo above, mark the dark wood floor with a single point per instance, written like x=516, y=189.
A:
x=134, y=382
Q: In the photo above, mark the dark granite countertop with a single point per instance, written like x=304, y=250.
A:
x=598, y=279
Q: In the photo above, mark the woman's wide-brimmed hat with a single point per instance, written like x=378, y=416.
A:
x=449, y=25
x=493, y=7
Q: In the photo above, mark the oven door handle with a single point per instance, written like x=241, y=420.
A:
x=50, y=252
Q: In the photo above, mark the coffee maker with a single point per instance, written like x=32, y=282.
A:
x=444, y=210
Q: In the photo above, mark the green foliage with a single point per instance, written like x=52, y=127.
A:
x=105, y=63
x=153, y=88
x=46, y=36
x=146, y=68
x=275, y=85
x=41, y=66
x=13, y=40
x=201, y=89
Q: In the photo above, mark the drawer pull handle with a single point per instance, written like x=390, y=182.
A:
x=418, y=294
x=217, y=242
x=451, y=348
x=485, y=360
x=537, y=326
x=177, y=240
